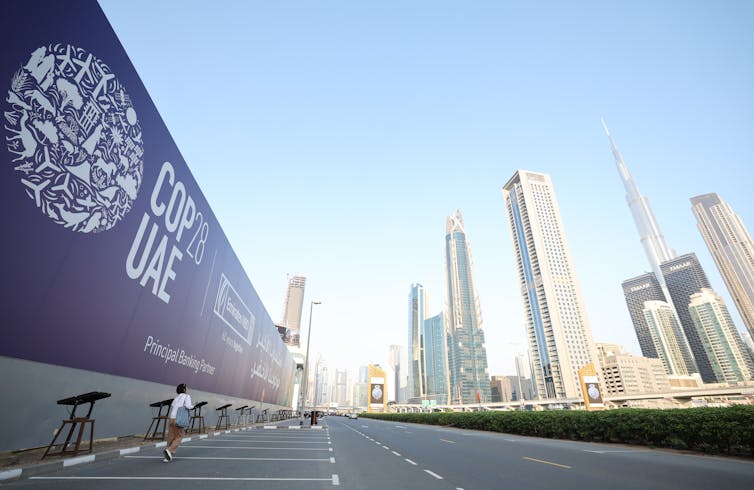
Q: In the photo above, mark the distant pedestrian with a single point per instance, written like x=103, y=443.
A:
x=177, y=432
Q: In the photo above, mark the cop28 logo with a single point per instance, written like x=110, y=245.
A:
x=74, y=138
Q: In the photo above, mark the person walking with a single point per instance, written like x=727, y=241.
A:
x=177, y=432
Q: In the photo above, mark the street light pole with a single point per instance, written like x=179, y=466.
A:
x=305, y=376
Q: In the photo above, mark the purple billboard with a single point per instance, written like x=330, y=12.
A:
x=113, y=259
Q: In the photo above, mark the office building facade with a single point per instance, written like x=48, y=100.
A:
x=290, y=326
x=637, y=291
x=627, y=374
x=436, y=359
x=728, y=356
x=396, y=364
x=667, y=337
x=417, y=305
x=559, y=335
x=467, y=354
x=684, y=276
x=732, y=248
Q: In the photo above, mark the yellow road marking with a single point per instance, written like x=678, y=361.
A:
x=449, y=442
x=548, y=462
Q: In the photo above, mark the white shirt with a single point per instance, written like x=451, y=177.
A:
x=182, y=400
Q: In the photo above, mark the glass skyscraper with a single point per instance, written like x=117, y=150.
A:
x=731, y=247
x=436, y=359
x=728, y=356
x=467, y=354
x=684, y=276
x=560, y=339
x=637, y=291
x=667, y=337
x=417, y=304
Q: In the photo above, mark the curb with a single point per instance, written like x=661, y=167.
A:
x=51, y=467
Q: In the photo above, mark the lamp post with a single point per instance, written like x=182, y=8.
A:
x=305, y=376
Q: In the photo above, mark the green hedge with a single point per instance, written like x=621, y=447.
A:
x=711, y=430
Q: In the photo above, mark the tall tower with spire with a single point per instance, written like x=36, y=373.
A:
x=651, y=237
x=658, y=254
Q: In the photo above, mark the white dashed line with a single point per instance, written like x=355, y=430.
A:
x=433, y=474
x=397, y=454
x=385, y=447
x=410, y=462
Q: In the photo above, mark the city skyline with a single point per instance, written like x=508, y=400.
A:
x=349, y=132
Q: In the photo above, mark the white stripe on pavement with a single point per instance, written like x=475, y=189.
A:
x=433, y=474
x=256, y=447
x=331, y=460
x=193, y=478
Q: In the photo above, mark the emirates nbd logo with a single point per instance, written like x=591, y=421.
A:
x=231, y=309
x=74, y=138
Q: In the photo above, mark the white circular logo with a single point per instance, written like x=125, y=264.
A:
x=74, y=138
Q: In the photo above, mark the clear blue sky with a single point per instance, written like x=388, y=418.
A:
x=332, y=138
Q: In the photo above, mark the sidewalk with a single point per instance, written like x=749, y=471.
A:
x=28, y=462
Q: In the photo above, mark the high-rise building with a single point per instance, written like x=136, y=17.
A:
x=341, y=387
x=730, y=361
x=417, y=307
x=667, y=337
x=322, y=395
x=662, y=260
x=637, y=291
x=684, y=276
x=731, y=247
x=436, y=359
x=290, y=326
x=396, y=353
x=651, y=237
x=467, y=354
x=560, y=339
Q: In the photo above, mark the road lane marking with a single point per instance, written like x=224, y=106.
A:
x=257, y=447
x=233, y=459
x=410, y=462
x=332, y=479
x=399, y=427
x=433, y=474
x=332, y=460
x=397, y=454
x=279, y=441
x=609, y=451
x=335, y=480
x=386, y=447
x=548, y=462
x=449, y=442
x=282, y=441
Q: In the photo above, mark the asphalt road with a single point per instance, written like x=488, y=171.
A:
x=371, y=454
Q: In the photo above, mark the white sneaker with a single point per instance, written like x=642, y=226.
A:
x=166, y=460
x=168, y=455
